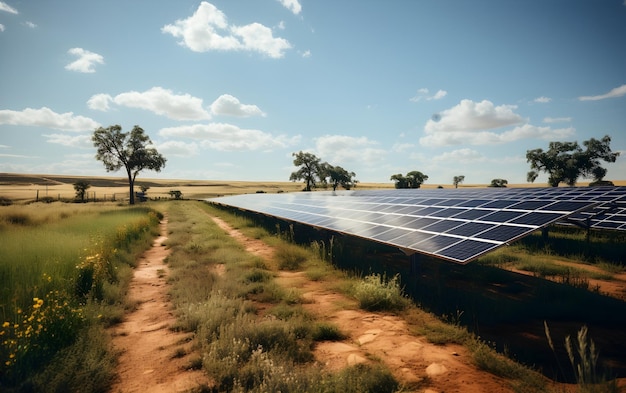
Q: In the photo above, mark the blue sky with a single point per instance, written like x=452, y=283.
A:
x=228, y=90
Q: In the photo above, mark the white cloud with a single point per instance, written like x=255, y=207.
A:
x=230, y=106
x=259, y=38
x=557, y=119
x=470, y=123
x=85, y=62
x=228, y=137
x=470, y=116
x=100, y=102
x=160, y=101
x=1, y=28
x=7, y=8
x=542, y=100
x=343, y=150
x=178, y=148
x=422, y=94
x=526, y=131
x=81, y=141
x=292, y=5
x=30, y=24
x=306, y=54
x=464, y=156
x=614, y=93
x=45, y=117
x=207, y=29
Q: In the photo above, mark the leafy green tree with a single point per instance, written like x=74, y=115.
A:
x=311, y=170
x=456, y=180
x=416, y=178
x=499, y=183
x=131, y=150
x=565, y=162
x=400, y=180
x=81, y=188
x=340, y=177
x=413, y=179
x=176, y=194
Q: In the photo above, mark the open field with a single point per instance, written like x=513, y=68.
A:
x=27, y=187
x=502, y=307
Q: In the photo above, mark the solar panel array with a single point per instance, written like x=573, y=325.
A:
x=457, y=225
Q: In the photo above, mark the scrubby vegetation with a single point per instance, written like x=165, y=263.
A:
x=64, y=269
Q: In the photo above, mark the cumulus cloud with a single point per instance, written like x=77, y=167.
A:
x=292, y=5
x=7, y=8
x=208, y=29
x=306, y=54
x=343, y=149
x=85, y=62
x=230, y=106
x=614, y=93
x=2, y=28
x=45, y=117
x=157, y=100
x=30, y=24
x=472, y=123
x=228, y=137
x=178, y=148
x=464, y=156
x=423, y=94
x=470, y=116
x=100, y=102
x=557, y=119
x=542, y=100
x=80, y=141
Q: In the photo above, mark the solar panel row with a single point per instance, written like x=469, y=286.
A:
x=456, y=225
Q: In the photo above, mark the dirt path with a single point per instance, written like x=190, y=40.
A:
x=413, y=360
x=153, y=358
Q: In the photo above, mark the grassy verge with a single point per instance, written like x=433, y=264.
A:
x=64, y=270
x=253, y=334
x=239, y=341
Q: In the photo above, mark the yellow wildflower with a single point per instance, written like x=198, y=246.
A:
x=6, y=324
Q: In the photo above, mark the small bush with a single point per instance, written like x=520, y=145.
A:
x=323, y=331
x=376, y=293
x=291, y=256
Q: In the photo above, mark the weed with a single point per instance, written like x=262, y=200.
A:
x=324, y=331
x=377, y=293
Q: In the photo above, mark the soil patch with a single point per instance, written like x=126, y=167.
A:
x=153, y=357
x=380, y=336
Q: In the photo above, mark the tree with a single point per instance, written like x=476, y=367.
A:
x=565, y=162
x=401, y=181
x=311, y=170
x=340, y=177
x=456, y=180
x=81, y=188
x=131, y=150
x=499, y=183
x=416, y=178
x=176, y=194
x=413, y=179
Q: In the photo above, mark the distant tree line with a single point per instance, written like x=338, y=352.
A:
x=316, y=173
x=564, y=162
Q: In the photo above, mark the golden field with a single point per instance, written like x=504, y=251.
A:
x=27, y=187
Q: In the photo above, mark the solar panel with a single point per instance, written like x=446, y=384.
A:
x=457, y=225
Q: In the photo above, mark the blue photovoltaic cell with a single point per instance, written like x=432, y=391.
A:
x=467, y=249
x=454, y=224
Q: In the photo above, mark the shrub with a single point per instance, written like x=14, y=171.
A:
x=376, y=293
x=291, y=256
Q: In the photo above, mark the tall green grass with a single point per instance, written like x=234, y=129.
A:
x=63, y=274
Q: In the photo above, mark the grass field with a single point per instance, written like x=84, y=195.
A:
x=23, y=188
x=71, y=263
